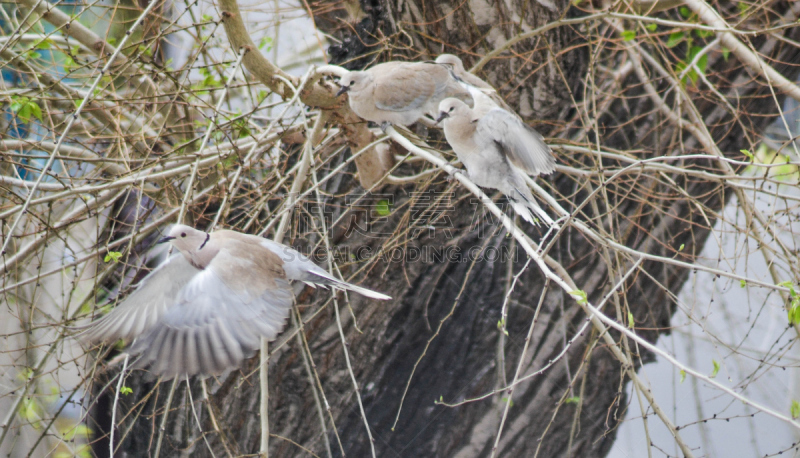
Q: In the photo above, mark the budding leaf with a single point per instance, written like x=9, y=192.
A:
x=382, y=208
x=581, y=296
x=112, y=256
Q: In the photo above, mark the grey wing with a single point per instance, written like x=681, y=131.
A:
x=145, y=306
x=403, y=89
x=523, y=146
x=214, y=326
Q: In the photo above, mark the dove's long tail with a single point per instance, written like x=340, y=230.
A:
x=328, y=280
x=523, y=205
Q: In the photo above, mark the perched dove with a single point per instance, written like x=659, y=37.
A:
x=497, y=148
x=400, y=92
x=205, y=310
x=456, y=67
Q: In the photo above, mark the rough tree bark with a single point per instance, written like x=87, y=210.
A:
x=542, y=79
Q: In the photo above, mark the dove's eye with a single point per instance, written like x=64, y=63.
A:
x=452, y=108
x=183, y=234
x=352, y=82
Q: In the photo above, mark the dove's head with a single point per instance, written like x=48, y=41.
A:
x=451, y=107
x=187, y=240
x=451, y=61
x=354, y=81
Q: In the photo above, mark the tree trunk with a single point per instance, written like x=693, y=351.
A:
x=438, y=341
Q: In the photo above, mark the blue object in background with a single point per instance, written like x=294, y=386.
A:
x=16, y=128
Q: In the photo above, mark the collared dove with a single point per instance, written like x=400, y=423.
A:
x=496, y=148
x=456, y=67
x=400, y=92
x=205, y=310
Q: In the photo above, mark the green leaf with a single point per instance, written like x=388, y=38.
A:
x=685, y=12
x=794, y=311
x=242, y=128
x=382, y=208
x=680, y=248
x=581, y=296
x=29, y=410
x=264, y=42
x=17, y=103
x=44, y=44
x=25, y=108
x=112, y=256
x=716, y=368
x=24, y=113
x=229, y=161
x=573, y=400
x=80, y=431
x=683, y=375
x=702, y=63
x=787, y=284
x=207, y=18
x=748, y=154
x=509, y=401
x=795, y=409
x=501, y=326
x=631, y=322
x=37, y=111
x=743, y=7
x=725, y=53
x=125, y=390
x=628, y=35
x=743, y=283
x=675, y=38
x=652, y=27
x=25, y=374
x=703, y=33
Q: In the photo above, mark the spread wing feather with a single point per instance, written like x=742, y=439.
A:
x=218, y=318
x=145, y=306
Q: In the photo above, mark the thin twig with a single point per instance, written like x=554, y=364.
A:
x=114, y=407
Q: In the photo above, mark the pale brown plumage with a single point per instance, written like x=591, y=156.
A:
x=496, y=148
x=456, y=66
x=204, y=311
x=399, y=92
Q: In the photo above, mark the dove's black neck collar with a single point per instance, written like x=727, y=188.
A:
x=208, y=236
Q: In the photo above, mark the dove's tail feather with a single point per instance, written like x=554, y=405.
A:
x=329, y=280
x=523, y=205
x=523, y=211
